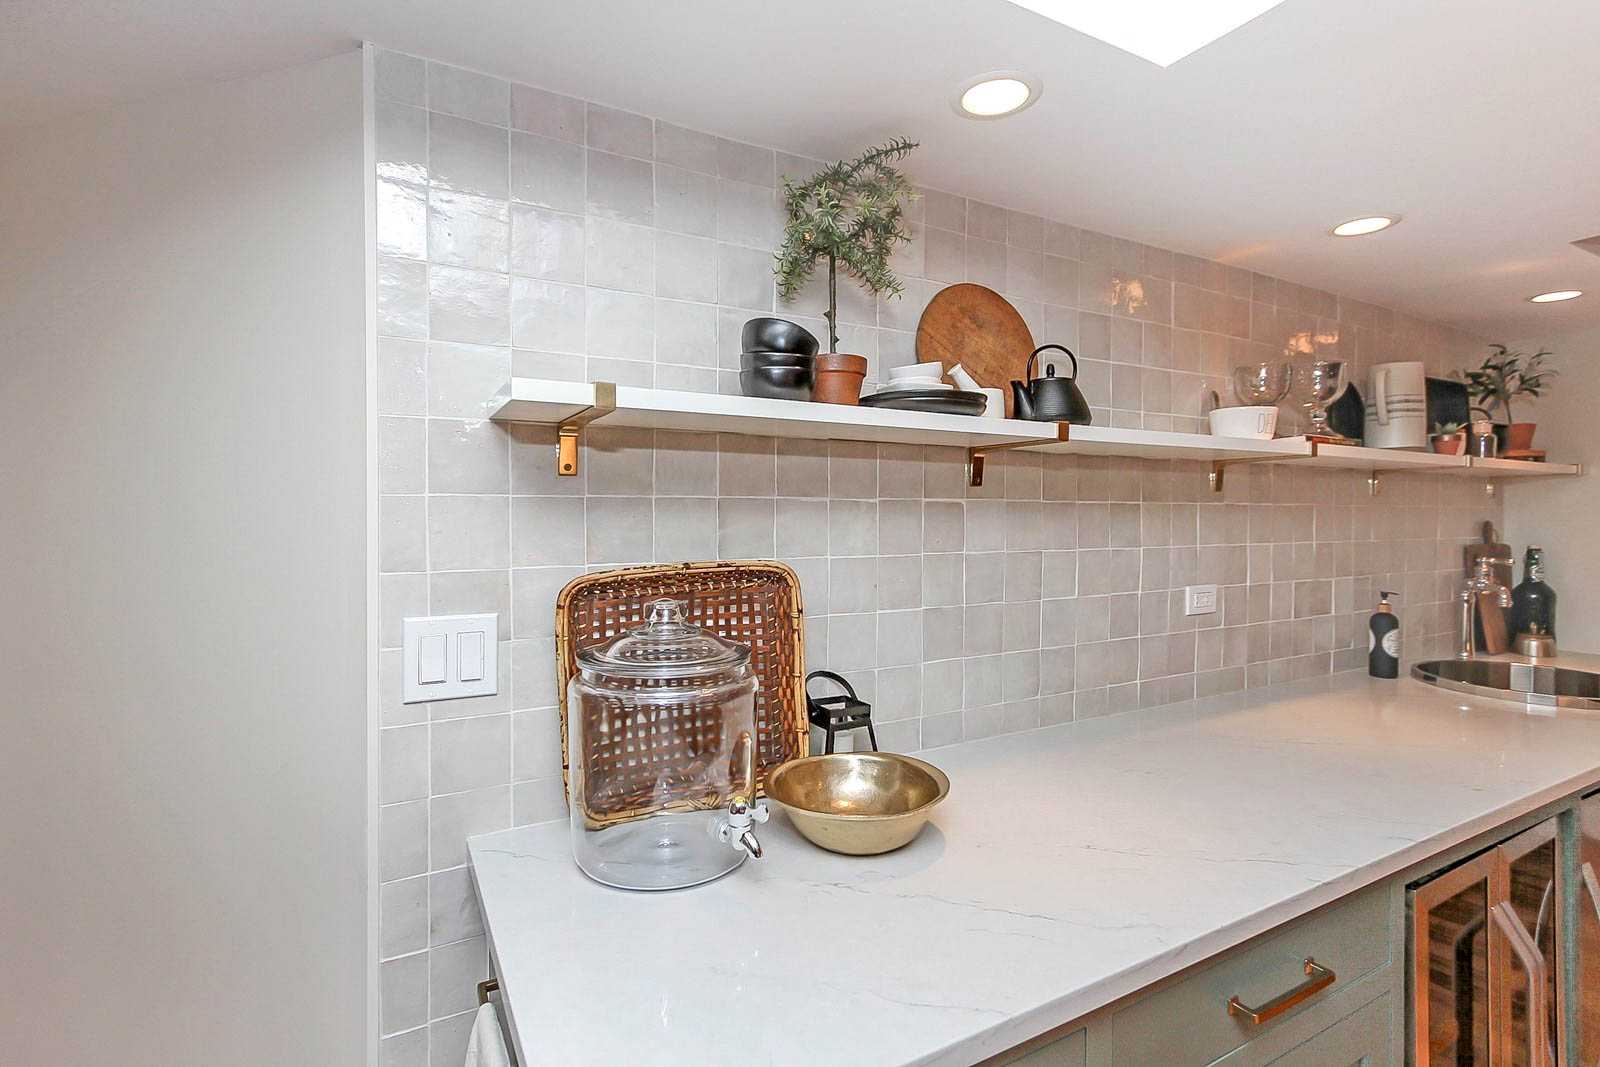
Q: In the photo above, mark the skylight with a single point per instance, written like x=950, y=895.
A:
x=1162, y=31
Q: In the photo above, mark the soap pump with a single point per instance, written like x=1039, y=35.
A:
x=1383, y=640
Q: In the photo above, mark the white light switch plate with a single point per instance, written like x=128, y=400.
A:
x=469, y=645
x=1199, y=600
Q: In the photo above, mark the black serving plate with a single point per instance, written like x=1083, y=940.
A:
x=938, y=401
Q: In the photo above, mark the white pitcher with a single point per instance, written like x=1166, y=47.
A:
x=1397, y=406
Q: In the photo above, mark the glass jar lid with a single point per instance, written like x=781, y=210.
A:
x=665, y=647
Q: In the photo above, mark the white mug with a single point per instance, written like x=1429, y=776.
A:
x=1258, y=421
x=994, y=402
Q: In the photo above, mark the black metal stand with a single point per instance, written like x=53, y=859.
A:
x=844, y=711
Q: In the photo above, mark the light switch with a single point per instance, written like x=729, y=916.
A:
x=471, y=656
x=447, y=657
x=431, y=659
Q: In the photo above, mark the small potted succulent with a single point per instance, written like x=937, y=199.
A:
x=1505, y=374
x=851, y=215
x=1449, y=438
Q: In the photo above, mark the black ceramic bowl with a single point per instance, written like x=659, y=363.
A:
x=777, y=383
x=778, y=335
x=752, y=360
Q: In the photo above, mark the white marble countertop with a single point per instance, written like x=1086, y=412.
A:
x=1070, y=866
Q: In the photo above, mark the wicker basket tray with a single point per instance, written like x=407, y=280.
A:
x=753, y=602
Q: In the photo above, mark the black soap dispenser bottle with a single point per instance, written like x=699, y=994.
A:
x=1383, y=640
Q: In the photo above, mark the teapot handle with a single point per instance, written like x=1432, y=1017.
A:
x=1059, y=348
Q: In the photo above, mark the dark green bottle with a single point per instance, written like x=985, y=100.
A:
x=1533, y=602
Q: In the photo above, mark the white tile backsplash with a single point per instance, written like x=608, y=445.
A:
x=521, y=231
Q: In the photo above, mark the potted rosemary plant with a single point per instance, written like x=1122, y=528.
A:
x=1504, y=375
x=849, y=214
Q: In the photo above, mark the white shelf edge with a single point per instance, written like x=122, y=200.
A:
x=549, y=402
x=534, y=400
x=1172, y=444
x=1522, y=468
x=1359, y=457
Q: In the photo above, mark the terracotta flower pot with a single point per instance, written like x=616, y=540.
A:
x=836, y=378
x=1450, y=444
x=1519, y=436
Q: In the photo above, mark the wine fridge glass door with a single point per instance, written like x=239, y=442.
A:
x=1450, y=982
x=1586, y=989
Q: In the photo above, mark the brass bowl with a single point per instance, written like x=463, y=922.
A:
x=858, y=803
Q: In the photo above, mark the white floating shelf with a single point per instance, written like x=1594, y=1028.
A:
x=553, y=403
x=1394, y=459
x=1169, y=444
x=1385, y=459
x=1520, y=468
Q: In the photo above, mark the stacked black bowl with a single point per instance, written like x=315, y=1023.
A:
x=776, y=362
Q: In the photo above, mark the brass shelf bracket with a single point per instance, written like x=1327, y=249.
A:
x=976, y=454
x=1219, y=467
x=570, y=431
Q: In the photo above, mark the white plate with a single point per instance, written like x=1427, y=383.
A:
x=903, y=384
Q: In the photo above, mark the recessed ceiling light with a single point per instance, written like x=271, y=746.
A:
x=995, y=94
x=1557, y=296
x=1361, y=227
x=1162, y=31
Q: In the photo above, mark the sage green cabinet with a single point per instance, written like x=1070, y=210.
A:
x=1489, y=955
x=1314, y=959
x=1069, y=1051
x=1361, y=1039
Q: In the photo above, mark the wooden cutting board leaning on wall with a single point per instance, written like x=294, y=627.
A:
x=978, y=328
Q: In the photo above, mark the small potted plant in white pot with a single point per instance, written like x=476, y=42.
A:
x=1506, y=374
x=849, y=214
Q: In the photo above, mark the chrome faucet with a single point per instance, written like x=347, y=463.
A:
x=1481, y=581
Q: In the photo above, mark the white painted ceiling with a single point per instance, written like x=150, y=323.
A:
x=1477, y=120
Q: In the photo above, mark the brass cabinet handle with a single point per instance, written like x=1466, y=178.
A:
x=1318, y=978
x=1533, y=964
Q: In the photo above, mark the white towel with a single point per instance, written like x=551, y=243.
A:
x=486, y=1048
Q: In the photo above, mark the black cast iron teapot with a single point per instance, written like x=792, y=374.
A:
x=1050, y=399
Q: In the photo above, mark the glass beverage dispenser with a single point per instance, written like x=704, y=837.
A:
x=661, y=755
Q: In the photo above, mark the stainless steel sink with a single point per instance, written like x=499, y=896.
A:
x=1526, y=683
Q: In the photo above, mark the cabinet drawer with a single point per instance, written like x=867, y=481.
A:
x=1188, y=1023
x=1069, y=1051
x=1358, y=1040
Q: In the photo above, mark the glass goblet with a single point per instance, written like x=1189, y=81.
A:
x=1316, y=384
x=1257, y=384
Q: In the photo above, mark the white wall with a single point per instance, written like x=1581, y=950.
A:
x=183, y=394
x=1563, y=514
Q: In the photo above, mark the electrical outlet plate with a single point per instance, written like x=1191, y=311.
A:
x=450, y=656
x=1199, y=600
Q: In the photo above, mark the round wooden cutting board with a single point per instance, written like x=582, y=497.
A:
x=978, y=328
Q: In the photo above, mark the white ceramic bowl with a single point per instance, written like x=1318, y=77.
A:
x=1256, y=422
x=934, y=370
